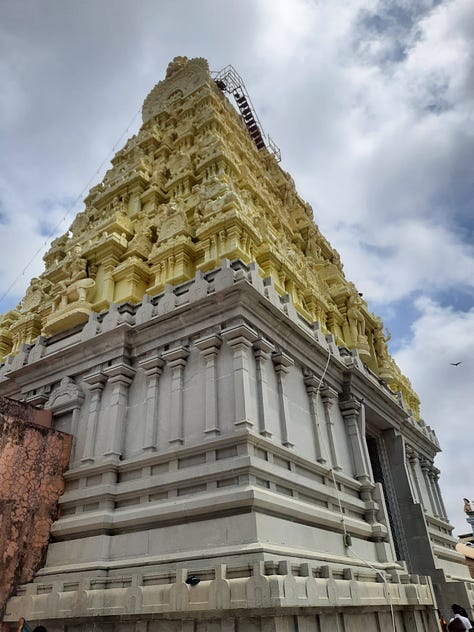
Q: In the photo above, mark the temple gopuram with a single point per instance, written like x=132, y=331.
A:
x=246, y=454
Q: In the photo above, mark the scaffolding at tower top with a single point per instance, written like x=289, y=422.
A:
x=228, y=80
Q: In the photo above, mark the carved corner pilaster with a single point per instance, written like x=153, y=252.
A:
x=209, y=345
x=239, y=335
x=153, y=365
x=176, y=357
x=120, y=372
x=262, y=349
x=282, y=362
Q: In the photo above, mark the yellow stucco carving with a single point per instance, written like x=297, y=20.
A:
x=189, y=189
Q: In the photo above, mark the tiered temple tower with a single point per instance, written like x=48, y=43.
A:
x=235, y=411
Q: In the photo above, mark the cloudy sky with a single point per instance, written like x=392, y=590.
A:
x=371, y=103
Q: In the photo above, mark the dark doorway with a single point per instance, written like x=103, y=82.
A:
x=381, y=470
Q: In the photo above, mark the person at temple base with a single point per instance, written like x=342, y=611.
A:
x=461, y=615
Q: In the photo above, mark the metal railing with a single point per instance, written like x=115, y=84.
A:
x=228, y=80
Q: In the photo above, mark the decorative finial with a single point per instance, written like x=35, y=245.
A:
x=175, y=65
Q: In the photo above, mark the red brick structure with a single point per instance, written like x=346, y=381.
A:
x=33, y=457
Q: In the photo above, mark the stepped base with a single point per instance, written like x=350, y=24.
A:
x=267, y=597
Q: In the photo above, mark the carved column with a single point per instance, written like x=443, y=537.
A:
x=434, y=491
x=209, y=347
x=120, y=377
x=328, y=396
x=365, y=449
x=108, y=284
x=413, y=460
x=153, y=368
x=76, y=410
x=176, y=360
x=262, y=350
x=425, y=468
x=436, y=474
x=312, y=383
x=96, y=383
x=282, y=364
x=350, y=409
x=350, y=412
x=411, y=479
x=431, y=480
x=240, y=338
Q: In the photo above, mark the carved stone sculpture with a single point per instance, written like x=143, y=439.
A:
x=355, y=319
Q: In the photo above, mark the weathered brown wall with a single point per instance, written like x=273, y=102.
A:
x=33, y=458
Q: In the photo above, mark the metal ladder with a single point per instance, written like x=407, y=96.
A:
x=228, y=80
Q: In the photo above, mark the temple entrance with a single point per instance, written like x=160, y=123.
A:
x=381, y=472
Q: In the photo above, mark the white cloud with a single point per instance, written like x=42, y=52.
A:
x=383, y=148
x=286, y=28
x=389, y=263
x=443, y=53
x=441, y=336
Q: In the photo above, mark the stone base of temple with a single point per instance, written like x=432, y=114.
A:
x=213, y=426
x=270, y=598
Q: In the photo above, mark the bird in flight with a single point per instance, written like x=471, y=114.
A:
x=455, y=363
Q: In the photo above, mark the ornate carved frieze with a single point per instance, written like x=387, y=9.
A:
x=67, y=396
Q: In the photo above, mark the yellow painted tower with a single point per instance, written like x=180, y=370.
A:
x=192, y=187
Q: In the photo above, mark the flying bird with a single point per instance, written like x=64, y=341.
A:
x=455, y=363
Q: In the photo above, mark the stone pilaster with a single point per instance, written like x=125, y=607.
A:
x=312, y=384
x=76, y=411
x=435, y=491
x=437, y=509
x=153, y=368
x=282, y=364
x=96, y=382
x=120, y=377
x=209, y=347
x=365, y=449
x=350, y=408
x=425, y=468
x=413, y=461
x=262, y=350
x=176, y=360
x=240, y=339
x=408, y=450
x=350, y=412
x=328, y=396
x=436, y=474
x=108, y=282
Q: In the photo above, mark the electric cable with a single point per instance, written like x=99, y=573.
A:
x=77, y=199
